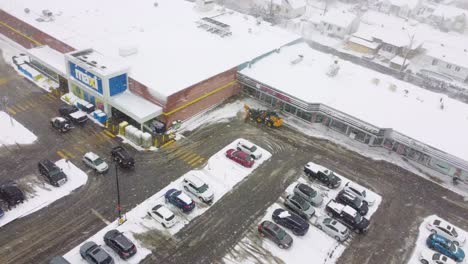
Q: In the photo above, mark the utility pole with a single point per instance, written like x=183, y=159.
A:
x=121, y=219
x=410, y=46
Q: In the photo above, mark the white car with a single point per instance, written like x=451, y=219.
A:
x=443, y=228
x=430, y=257
x=95, y=162
x=198, y=187
x=333, y=228
x=249, y=148
x=163, y=215
x=361, y=192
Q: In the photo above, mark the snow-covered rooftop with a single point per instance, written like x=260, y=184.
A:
x=102, y=64
x=449, y=11
x=167, y=39
x=54, y=58
x=448, y=53
x=373, y=97
x=363, y=42
x=401, y=3
x=339, y=18
x=135, y=106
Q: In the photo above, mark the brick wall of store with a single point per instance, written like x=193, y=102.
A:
x=195, y=91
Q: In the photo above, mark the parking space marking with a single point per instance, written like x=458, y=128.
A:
x=23, y=108
x=61, y=154
x=189, y=157
x=51, y=96
x=194, y=161
x=11, y=111
x=184, y=154
x=109, y=134
x=79, y=148
x=68, y=153
x=30, y=104
x=106, y=137
x=98, y=215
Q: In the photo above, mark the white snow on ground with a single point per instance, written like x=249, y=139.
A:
x=12, y=132
x=220, y=173
x=315, y=245
x=43, y=195
x=424, y=233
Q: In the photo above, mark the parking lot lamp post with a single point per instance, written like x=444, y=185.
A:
x=121, y=219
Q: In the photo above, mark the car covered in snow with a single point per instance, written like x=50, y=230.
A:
x=94, y=254
x=240, y=157
x=61, y=124
x=349, y=198
x=198, y=187
x=95, y=162
x=299, y=206
x=291, y=221
x=275, y=233
x=444, y=246
x=443, y=228
x=322, y=174
x=427, y=256
x=73, y=114
x=52, y=173
x=11, y=194
x=360, y=191
x=347, y=216
x=308, y=193
x=180, y=200
x=332, y=227
x=122, y=157
x=163, y=215
x=249, y=148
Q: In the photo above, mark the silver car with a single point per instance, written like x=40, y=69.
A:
x=360, y=192
x=299, y=206
x=309, y=194
x=95, y=162
x=333, y=228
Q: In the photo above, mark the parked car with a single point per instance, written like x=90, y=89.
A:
x=163, y=215
x=322, y=174
x=359, y=191
x=443, y=228
x=94, y=254
x=59, y=260
x=52, y=173
x=309, y=194
x=444, y=246
x=73, y=114
x=180, y=200
x=333, y=228
x=349, y=198
x=347, y=216
x=249, y=148
x=121, y=156
x=95, y=162
x=120, y=244
x=291, y=221
x=430, y=257
x=240, y=157
x=299, y=206
x=198, y=187
x=2, y=213
x=275, y=233
x=61, y=124
x=11, y=194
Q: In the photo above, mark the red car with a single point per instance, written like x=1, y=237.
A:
x=240, y=157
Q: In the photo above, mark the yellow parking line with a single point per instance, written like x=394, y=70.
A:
x=68, y=153
x=16, y=108
x=107, y=137
x=100, y=137
x=79, y=148
x=3, y=81
x=109, y=134
x=51, y=96
x=11, y=111
x=189, y=157
x=201, y=160
x=31, y=103
x=184, y=154
x=61, y=154
x=194, y=160
x=23, y=108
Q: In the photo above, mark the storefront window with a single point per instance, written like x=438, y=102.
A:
x=306, y=116
x=413, y=154
x=339, y=126
x=290, y=109
x=318, y=118
x=377, y=141
x=388, y=143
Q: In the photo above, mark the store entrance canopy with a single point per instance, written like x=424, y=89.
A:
x=136, y=107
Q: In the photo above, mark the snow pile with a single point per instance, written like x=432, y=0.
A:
x=220, y=173
x=12, y=132
x=424, y=233
x=42, y=196
x=315, y=244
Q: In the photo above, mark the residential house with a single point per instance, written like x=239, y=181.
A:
x=400, y=8
x=333, y=23
x=363, y=45
x=449, y=18
x=286, y=9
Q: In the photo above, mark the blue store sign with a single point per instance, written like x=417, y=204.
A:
x=85, y=77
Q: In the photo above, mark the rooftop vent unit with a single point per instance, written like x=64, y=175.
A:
x=214, y=26
x=299, y=58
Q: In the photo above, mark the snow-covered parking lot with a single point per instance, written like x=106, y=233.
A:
x=220, y=173
x=424, y=234
x=45, y=194
x=315, y=247
x=12, y=132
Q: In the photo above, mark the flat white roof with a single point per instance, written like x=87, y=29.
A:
x=172, y=52
x=135, y=106
x=448, y=53
x=449, y=11
x=102, y=64
x=353, y=91
x=340, y=18
x=55, y=59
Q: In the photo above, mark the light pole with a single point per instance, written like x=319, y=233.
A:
x=121, y=219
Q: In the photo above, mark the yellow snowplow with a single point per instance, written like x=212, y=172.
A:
x=269, y=118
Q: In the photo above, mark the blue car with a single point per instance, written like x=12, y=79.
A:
x=443, y=245
x=180, y=200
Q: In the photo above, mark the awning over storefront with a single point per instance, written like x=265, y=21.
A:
x=49, y=57
x=135, y=107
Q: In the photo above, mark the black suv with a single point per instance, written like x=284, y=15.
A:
x=120, y=244
x=347, y=216
x=52, y=173
x=348, y=198
x=11, y=194
x=322, y=174
x=291, y=221
x=121, y=156
x=73, y=114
